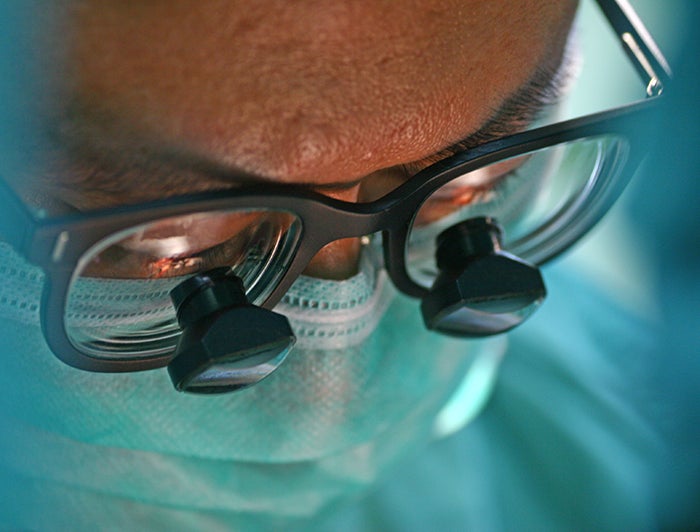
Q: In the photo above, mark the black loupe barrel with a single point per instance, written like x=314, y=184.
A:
x=480, y=289
x=226, y=343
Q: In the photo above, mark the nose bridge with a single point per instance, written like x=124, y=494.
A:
x=338, y=259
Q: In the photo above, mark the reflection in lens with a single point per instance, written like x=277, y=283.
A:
x=541, y=199
x=118, y=303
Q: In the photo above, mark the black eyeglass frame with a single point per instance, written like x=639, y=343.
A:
x=57, y=244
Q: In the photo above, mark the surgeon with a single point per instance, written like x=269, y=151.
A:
x=259, y=258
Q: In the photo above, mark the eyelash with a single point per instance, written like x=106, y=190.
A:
x=206, y=259
x=219, y=254
x=504, y=181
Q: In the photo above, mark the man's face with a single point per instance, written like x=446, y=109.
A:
x=149, y=99
x=340, y=96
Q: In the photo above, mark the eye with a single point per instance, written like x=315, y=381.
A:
x=481, y=185
x=184, y=245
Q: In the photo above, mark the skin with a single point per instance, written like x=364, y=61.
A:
x=336, y=94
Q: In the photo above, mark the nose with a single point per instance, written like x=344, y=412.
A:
x=339, y=259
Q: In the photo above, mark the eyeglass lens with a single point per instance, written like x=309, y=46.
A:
x=525, y=194
x=118, y=304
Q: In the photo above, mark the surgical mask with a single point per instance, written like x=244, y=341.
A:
x=365, y=385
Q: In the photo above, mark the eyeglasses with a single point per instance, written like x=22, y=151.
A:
x=106, y=303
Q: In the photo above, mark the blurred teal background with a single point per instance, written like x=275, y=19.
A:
x=659, y=219
x=663, y=207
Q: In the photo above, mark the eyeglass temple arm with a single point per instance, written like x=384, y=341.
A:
x=638, y=44
x=16, y=221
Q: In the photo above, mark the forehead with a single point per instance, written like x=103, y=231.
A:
x=300, y=90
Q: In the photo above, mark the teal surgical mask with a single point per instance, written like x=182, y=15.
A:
x=365, y=385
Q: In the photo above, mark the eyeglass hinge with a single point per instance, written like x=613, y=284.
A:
x=655, y=87
x=60, y=246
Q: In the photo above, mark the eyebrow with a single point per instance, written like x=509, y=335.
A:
x=545, y=88
x=175, y=171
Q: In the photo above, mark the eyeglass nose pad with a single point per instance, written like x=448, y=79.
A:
x=481, y=290
x=226, y=343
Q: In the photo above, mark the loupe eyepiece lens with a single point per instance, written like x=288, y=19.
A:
x=226, y=343
x=481, y=290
